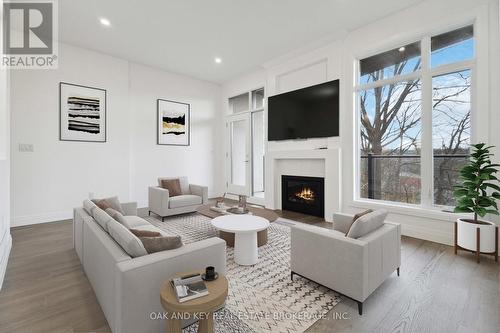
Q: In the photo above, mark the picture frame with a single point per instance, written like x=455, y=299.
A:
x=82, y=113
x=173, y=123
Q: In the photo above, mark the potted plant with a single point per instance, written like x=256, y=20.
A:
x=477, y=194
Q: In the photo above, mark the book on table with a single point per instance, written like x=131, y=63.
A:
x=189, y=287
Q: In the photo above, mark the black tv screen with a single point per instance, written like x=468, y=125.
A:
x=311, y=112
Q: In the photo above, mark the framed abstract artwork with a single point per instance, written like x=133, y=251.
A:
x=82, y=113
x=173, y=123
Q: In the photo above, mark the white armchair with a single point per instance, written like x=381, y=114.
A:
x=353, y=267
x=163, y=205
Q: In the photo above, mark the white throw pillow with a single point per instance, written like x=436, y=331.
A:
x=367, y=223
x=89, y=206
x=127, y=240
x=101, y=217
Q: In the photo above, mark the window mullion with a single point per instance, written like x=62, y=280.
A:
x=392, y=80
x=426, y=166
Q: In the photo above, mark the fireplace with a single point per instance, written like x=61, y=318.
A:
x=303, y=194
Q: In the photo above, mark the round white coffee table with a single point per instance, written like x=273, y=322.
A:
x=245, y=228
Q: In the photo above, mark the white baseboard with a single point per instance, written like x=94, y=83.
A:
x=18, y=221
x=5, y=247
x=427, y=234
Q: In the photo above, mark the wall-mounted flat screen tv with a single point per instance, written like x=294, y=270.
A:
x=311, y=112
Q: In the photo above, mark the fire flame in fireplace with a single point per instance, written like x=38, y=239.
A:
x=306, y=194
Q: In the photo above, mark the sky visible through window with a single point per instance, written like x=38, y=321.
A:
x=453, y=53
x=445, y=114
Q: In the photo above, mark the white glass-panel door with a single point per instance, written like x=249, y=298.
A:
x=239, y=154
x=258, y=151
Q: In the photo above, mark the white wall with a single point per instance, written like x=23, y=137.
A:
x=57, y=176
x=5, y=238
x=200, y=160
x=336, y=61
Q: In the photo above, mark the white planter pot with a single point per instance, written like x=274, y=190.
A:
x=467, y=236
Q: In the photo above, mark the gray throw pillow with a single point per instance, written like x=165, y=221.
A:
x=157, y=244
x=367, y=223
x=111, y=202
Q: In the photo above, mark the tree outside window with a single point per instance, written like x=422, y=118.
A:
x=390, y=90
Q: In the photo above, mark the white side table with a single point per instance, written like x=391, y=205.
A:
x=245, y=228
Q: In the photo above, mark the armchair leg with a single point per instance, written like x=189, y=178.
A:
x=291, y=275
x=163, y=218
x=149, y=213
x=360, y=308
x=397, y=270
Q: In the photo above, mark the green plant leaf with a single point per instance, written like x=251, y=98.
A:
x=462, y=210
x=488, y=170
x=460, y=192
x=480, y=211
x=477, y=177
x=493, y=186
x=465, y=202
x=486, y=202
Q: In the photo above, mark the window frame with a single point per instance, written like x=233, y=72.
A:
x=425, y=73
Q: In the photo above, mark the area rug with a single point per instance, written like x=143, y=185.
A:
x=262, y=298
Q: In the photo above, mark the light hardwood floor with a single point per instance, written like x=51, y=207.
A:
x=45, y=290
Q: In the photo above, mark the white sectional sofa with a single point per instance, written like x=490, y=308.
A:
x=128, y=289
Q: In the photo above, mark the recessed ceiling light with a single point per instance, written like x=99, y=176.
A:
x=402, y=49
x=105, y=21
x=218, y=60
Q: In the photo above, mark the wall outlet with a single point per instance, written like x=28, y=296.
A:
x=26, y=147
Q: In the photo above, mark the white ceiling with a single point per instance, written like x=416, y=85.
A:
x=184, y=36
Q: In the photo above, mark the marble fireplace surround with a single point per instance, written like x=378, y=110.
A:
x=312, y=163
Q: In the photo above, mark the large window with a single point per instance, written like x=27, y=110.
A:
x=414, y=107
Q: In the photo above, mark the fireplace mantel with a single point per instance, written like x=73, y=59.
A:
x=330, y=169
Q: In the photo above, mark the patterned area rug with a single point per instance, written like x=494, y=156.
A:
x=262, y=298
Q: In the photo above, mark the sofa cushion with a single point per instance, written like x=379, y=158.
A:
x=173, y=186
x=157, y=244
x=184, y=200
x=367, y=223
x=128, y=241
x=357, y=216
x=89, y=206
x=113, y=213
x=102, y=218
x=111, y=202
x=132, y=222
x=183, y=181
